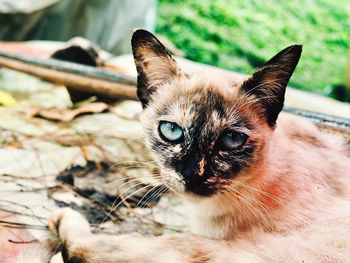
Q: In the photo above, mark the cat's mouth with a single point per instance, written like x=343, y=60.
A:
x=204, y=188
x=203, y=191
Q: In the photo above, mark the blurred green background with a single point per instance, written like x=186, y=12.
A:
x=241, y=34
x=238, y=35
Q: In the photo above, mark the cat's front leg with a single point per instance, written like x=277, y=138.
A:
x=74, y=232
x=81, y=246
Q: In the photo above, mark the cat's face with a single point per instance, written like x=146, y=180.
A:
x=205, y=130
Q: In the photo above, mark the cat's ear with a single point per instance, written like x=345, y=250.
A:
x=268, y=83
x=155, y=66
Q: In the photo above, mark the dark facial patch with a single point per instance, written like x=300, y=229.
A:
x=202, y=162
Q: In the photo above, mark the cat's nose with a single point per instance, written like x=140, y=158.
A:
x=186, y=169
x=193, y=173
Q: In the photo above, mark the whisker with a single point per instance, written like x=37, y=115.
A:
x=260, y=191
x=255, y=207
x=149, y=191
x=128, y=196
x=158, y=192
x=112, y=208
x=126, y=163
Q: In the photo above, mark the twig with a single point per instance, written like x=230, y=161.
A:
x=79, y=77
x=22, y=242
x=11, y=224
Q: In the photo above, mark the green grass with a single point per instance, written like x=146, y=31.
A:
x=241, y=34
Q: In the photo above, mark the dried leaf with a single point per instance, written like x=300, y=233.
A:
x=66, y=115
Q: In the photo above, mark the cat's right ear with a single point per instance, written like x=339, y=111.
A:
x=155, y=66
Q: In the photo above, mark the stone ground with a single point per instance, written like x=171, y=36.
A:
x=94, y=163
x=91, y=158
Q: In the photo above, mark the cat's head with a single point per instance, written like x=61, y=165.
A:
x=205, y=130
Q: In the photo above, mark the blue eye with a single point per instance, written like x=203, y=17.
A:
x=232, y=140
x=170, y=131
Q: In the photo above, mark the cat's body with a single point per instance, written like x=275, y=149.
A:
x=256, y=189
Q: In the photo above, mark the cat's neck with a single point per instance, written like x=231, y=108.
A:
x=225, y=216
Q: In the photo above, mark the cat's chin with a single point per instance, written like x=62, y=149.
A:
x=194, y=198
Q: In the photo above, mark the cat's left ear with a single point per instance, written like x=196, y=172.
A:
x=155, y=66
x=268, y=83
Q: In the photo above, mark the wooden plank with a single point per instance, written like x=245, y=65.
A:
x=79, y=77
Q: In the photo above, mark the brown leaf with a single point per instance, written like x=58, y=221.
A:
x=66, y=115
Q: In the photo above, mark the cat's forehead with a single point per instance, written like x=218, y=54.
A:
x=197, y=97
x=207, y=83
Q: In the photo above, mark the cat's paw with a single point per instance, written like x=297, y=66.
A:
x=64, y=222
x=57, y=216
x=57, y=258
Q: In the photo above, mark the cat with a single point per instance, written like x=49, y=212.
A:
x=260, y=185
